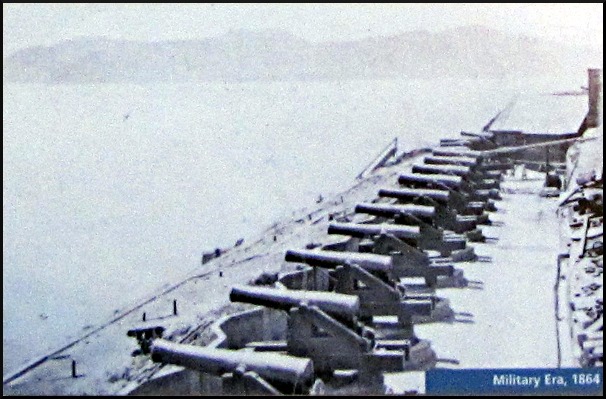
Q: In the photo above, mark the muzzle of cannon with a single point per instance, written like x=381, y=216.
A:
x=273, y=368
x=344, y=307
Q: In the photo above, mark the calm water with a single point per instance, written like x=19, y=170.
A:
x=112, y=190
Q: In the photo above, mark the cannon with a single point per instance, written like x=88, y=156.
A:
x=470, y=173
x=328, y=341
x=387, y=267
x=435, y=181
x=387, y=238
x=403, y=253
x=454, y=170
x=473, y=143
x=454, y=143
x=431, y=237
x=343, y=307
x=446, y=179
x=426, y=196
x=422, y=212
x=447, y=152
x=446, y=243
x=331, y=259
x=378, y=297
x=447, y=182
x=472, y=163
x=443, y=200
x=252, y=372
x=451, y=199
x=422, y=236
x=411, y=233
x=486, y=169
x=439, y=215
x=475, y=180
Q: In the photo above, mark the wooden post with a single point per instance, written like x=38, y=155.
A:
x=74, y=374
x=175, y=307
x=595, y=89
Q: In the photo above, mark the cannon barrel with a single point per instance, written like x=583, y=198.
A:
x=425, y=180
x=346, y=306
x=332, y=259
x=269, y=366
x=365, y=230
x=457, y=153
x=451, y=160
x=455, y=142
x=409, y=194
x=389, y=210
x=456, y=170
x=426, y=196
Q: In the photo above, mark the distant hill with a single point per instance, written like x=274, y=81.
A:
x=472, y=51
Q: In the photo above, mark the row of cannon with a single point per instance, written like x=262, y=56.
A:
x=361, y=315
x=582, y=279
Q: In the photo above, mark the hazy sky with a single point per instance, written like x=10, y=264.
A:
x=34, y=24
